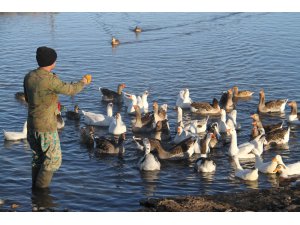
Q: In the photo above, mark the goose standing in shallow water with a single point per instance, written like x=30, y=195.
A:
x=109, y=95
x=270, y=106
x=241, y=94
x=148, y=162
x=294, y=117
x=245, y=174
x=101, y=120
x=107, y=146
x=14, y=136
x=117, y=126
x=73, y=115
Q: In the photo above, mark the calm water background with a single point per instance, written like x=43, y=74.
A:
x=205, y=52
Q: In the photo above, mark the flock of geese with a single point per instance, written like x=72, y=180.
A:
x=151, y=131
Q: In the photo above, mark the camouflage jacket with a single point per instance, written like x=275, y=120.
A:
x=41, y=90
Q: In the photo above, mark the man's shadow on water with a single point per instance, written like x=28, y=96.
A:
x=42, y=200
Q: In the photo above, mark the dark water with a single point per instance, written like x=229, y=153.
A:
x=206, y=52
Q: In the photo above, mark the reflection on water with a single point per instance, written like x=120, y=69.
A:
x=42, y=199
x=149, y=181
x=205, y=52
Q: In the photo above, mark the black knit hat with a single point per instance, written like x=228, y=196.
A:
x=45, y=56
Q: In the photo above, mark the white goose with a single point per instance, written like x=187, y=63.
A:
x=148, y=162
x=232, y=117
x=243, y=151
x=194, y=126
x=130, y=109
x=117, y=126
x=14, y=136
x=287, y=170
x=181, y=135
x=94, y=119
x=183, y=99
x=223, y=127
x=264, y=167
x=245, y=174
x=143, y=102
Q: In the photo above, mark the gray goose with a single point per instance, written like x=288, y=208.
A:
x=109, y=95
x=270, y=106
x=139, y=126
x=279, y=136
x=104, y=145
x=205, y=108
x=268, y=127
x=184, y=149
x=229, y=106
x=241, y=94
x=294, y=117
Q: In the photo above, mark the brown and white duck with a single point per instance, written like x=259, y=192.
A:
x=137, y=29
x=270, y=106
x=241, y=94
x=110, y=95
x=73, y=115
x=184, y=149
x=205, y=108
x=267, y=127
x=87, y=136
x=104, y=145
x=203, y=164
x=294, y=117
x=214, y=128
x=114, y=41
x=20, y=96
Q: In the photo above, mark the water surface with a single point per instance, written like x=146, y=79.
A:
x=205, y=52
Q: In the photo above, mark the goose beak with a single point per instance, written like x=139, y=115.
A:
x=213, y=136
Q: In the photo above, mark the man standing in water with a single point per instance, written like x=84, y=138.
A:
x=41, y=88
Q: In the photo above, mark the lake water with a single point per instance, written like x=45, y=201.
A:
x=205, y=52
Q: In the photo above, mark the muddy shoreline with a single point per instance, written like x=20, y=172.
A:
x=281, y=199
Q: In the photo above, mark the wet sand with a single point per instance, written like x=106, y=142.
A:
x=282, y=199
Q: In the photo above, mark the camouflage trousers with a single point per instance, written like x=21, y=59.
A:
x=46, y=151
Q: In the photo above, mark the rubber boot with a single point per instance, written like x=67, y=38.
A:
x=43, y=178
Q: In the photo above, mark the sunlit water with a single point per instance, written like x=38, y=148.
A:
x=205, y=52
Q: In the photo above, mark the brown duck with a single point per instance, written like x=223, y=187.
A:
x=104, y=145
x=109, y=95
